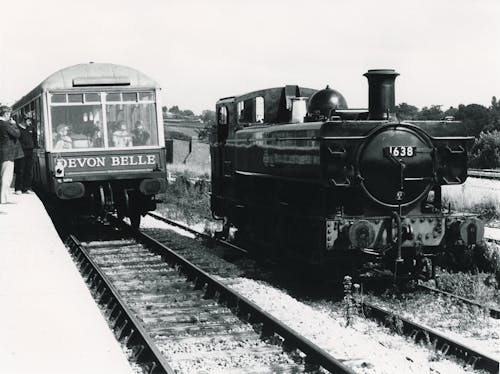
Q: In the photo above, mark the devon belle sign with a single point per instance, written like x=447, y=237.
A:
x=106, y=162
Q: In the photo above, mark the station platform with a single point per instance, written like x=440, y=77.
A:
x=49, y=322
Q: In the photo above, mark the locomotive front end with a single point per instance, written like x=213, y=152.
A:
x=389, y=175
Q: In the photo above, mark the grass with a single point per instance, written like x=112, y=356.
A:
x=187, y=198
x=481, y=287
x=447, y=313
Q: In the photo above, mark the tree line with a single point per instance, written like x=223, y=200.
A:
x=477, y=118
x=481, y=122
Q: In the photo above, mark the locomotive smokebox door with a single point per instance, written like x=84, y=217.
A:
x=407, y=165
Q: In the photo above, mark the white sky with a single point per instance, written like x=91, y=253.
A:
x=447, y=51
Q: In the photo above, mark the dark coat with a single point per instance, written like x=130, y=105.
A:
x=27, y=138
x=140, y=137
x=9, y=146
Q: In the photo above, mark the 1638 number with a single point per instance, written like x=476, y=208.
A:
x=402, y=151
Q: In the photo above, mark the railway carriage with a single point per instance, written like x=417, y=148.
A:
x=298, y=172
x=99, y=138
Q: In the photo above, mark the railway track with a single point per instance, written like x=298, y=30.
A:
x=126, y=326
x=420, y=333
x=198, y=233
x=442, y=343
x=177, y=317
x=493, y=312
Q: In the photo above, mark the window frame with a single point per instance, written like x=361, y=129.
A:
x=219, y=115
x=103, y=102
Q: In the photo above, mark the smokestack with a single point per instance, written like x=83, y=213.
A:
x=381, y=97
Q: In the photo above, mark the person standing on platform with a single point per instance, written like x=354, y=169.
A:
x=23, y=167
x=9, y=133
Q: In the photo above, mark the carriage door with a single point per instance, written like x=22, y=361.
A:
x=39, y=150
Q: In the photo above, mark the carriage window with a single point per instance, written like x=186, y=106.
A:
x=77, y=126
x=82, y=124
x=75, y=98
x=146, y=96
x=113, y=96
x=92, y=98
x=58, y=98
x=222, y=116
x=259, y=109
x=129, y=96
x=24, y=112
x=131, y=124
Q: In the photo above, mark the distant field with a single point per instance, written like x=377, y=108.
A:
x=476, y=195
x=196, y=162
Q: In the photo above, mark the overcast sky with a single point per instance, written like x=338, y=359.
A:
x=447, y=51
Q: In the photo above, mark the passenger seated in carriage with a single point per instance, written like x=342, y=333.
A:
x=121, y=137
x=62, y=140
x=140, y=135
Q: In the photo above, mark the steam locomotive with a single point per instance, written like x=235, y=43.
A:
x=99, y=139
x=297, y=172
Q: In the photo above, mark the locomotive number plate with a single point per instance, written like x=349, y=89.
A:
x=402, y=151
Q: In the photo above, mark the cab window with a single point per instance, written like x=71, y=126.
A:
x=222, y=123
x=259, y=109
x=241, y=111
x=222, y=117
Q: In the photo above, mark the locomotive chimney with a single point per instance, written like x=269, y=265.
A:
x=381, y=97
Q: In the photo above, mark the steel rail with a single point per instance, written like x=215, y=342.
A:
x=494, y=313
x=242, y=307
x=197, y=233
x=417, y=331
x=442, y=343
x=177, y=224
x=128, y=328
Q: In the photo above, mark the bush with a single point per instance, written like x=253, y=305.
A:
x=169, y=134
x=485, y=153
x=474, y=287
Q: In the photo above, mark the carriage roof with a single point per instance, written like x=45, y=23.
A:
x=92, y=74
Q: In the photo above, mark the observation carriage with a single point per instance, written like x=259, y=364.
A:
x=308, y=179
x=99, y=139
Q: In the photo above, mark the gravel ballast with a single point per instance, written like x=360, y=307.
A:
x=364, y=345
